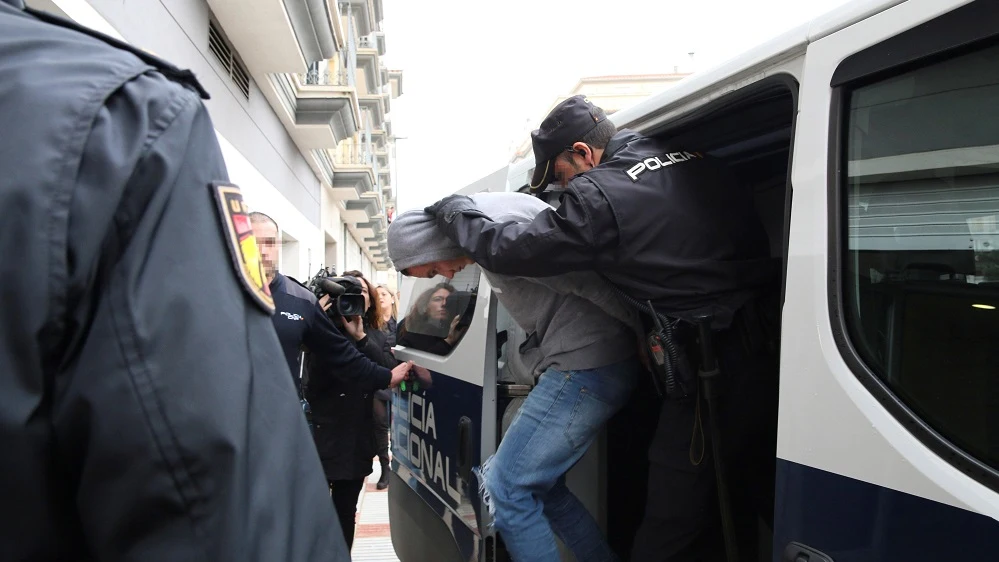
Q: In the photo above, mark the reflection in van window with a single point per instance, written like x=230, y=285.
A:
x=441, y=312
x=922, y=266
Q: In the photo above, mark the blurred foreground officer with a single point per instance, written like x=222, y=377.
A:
x=141, y=417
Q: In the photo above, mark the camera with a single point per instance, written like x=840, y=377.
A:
x=460, y=303
x=345, y=291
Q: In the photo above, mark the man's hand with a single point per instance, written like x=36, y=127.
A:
x=400, y=373
x=448, y=208
x=422, y=375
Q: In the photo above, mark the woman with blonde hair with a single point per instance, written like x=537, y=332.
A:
x=389, y=310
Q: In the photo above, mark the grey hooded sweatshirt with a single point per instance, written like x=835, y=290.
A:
x=577, y=318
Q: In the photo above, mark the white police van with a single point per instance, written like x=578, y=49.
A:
x=871, y=136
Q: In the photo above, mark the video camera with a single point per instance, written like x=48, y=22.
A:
x=345, y=291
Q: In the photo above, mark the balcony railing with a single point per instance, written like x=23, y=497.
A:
x=353, y=156
x=320, y=75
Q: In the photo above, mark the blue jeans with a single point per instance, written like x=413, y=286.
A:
x=523, y=484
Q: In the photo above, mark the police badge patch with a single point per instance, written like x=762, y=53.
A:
x=242, y=244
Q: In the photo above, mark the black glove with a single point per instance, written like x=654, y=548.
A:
x=447, y=210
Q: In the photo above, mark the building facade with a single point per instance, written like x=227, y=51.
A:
x=300, y=100
x=611, y=93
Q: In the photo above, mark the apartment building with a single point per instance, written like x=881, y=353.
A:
x=300, y=100
x=611, y=93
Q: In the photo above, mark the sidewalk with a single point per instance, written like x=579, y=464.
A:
x=372, y=541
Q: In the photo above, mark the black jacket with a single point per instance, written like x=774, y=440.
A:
x=662, y=222
x=300, y=323
x=385, y=340
x=391, y=332
x=145, y=406
x=343, y=420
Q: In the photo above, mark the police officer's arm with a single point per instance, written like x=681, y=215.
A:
x=174, y=418
x=336, y=356
x=580, y=234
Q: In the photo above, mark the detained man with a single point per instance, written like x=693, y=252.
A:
x=582, y=344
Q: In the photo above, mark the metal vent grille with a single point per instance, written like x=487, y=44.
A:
x=227, y=58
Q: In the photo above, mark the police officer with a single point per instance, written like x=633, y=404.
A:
x=300, y=322
x=140, y=413
x=669, y=225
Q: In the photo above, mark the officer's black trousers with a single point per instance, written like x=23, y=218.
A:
x=681, y=520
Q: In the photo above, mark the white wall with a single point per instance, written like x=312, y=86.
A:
x=261, y=196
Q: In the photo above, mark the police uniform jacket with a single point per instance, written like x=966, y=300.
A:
x=662, y=222
x=300, y=322
x=145, y=407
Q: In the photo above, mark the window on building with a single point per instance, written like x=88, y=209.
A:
x=225, y=54
x=921, y=267
x=440, y=313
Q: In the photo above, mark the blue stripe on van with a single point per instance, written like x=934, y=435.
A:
x=853, y=521
x=425, y=452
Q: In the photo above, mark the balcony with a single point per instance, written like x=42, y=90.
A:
x=359, y=210
x=374, y=41
x=368, y=61
x=353, y=172
x=296, y=32
x=370, y=229
x=395, y=82
x=375, y=104
x=382, y=155
x=317, y=109
x=379, y=139
x=367, y=20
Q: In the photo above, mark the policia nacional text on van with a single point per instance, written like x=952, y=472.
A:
x=145, y=407
x=672, y=227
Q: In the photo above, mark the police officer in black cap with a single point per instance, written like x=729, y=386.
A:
x=672, y=227
x=146, y=412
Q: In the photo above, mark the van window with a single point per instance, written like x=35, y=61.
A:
x=441, y=311
x=921, y=270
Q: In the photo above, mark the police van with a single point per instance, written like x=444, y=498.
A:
x=871, y=137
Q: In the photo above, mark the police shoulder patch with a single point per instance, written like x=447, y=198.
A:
x=242, y=245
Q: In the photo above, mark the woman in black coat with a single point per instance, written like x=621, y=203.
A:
x=343, y=417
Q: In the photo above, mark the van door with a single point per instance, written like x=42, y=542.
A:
x=888, y=446
x=440, y=433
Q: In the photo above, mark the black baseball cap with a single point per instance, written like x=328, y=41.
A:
x=569, y=122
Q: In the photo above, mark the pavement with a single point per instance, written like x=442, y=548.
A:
x=372, y=540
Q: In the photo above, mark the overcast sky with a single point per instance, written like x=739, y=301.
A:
x=475, y=72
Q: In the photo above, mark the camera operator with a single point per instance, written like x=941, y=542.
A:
x=300, y=322
x=343, y=409
x=371, y=329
